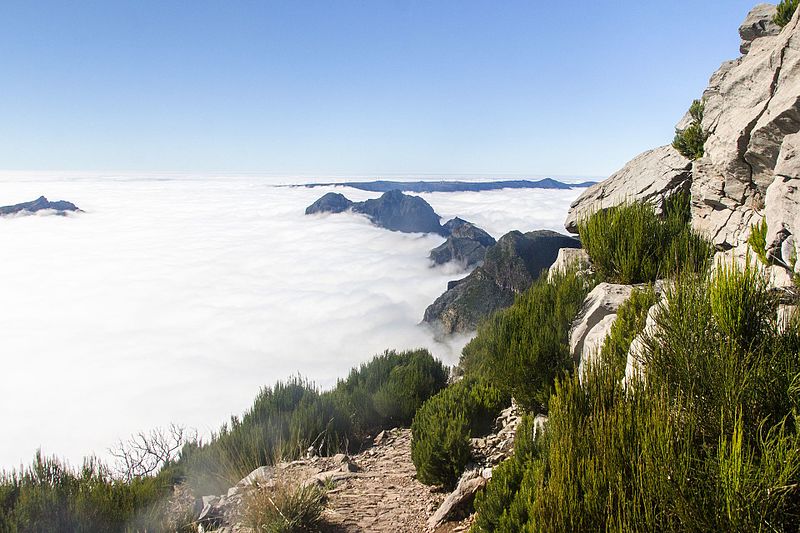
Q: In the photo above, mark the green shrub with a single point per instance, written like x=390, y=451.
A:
x=690, y=141
x=440, y=447
x=786, y=9
x=630, y=244
x=522, y=349
x=287, y=419
x=48, y=495
x=284, y=508
x=758, y=240
x=707, y=441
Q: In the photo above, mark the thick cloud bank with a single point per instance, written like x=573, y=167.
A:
x=177, y=300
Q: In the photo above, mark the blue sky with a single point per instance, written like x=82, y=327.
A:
x=347, y=87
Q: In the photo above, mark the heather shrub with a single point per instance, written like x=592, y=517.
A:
x=523, y=349
x=444, y=424
x=631, y=244
x=292, y=416
x=708, y=440
x=758, y=240
x=630, y=321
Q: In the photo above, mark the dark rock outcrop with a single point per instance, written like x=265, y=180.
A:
x=509, y=268
x=466, y=244
x=333, y=202
x=393, y=210
x=400, y=212
x=40, y=204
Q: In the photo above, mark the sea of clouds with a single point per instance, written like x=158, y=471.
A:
x=175, y=300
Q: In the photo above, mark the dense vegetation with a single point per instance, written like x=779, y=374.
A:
x=284, y=421
x=631, y=244
x=786, y=9
x=48, y=495
x=707, y=441
x=284, y=508
x=523, y=349
x=690, y=141
x=440, y=447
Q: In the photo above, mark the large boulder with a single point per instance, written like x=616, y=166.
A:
x=59, y=207
x=758, y=23
x=466, y=244
x=509, y=268
x=593, y=323
x=782, y=206
x=752, y=105
x=652, y=177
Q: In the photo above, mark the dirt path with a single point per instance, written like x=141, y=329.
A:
x=384, y=495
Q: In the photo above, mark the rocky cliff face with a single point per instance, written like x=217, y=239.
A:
x=466, y=244
x=509, y=268
x=393, y=210
x=749, y=169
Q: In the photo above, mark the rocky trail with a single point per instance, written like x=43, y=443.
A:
x=374, y=490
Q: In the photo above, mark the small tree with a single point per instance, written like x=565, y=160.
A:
x=690, y=141
x=785, y=12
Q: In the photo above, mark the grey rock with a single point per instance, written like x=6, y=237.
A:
x=466, y=244
x=568, y=259
x=758, y=23
x=594, y=321
x=60, y=207
x=782, y=206
x=332, y=202
x=461, y=497
x=651, y=177
x=751, y=107
x=509, y=268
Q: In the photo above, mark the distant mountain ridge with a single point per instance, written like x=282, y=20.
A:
x=453, y=186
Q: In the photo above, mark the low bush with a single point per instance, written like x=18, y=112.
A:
x=48, y=495
x=708, y=441
x=631, y=244
x=523, y=349
x=690, y=141
x=284, y=508
x=440, y=447
x=292, y=416
x=786, y=9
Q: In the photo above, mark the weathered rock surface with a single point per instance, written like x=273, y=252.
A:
x=652, y=177
x=570, y=258
x=758, y=23
x=634, y=364
x=509, y=268
x=466, y=244
x=393, y=210
x=594, y=321
x=782, y=206
x=332, y=202
x=60, y=207
x=751, y=106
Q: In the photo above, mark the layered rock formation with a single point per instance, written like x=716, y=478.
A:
x=749, y=169
x=466, y=244
x=652, y=176
x=509, y=268
x=60, y=207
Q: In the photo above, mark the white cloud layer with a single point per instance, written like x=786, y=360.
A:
x=175, y=301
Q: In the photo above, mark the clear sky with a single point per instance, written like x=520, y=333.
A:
x=363, y=87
